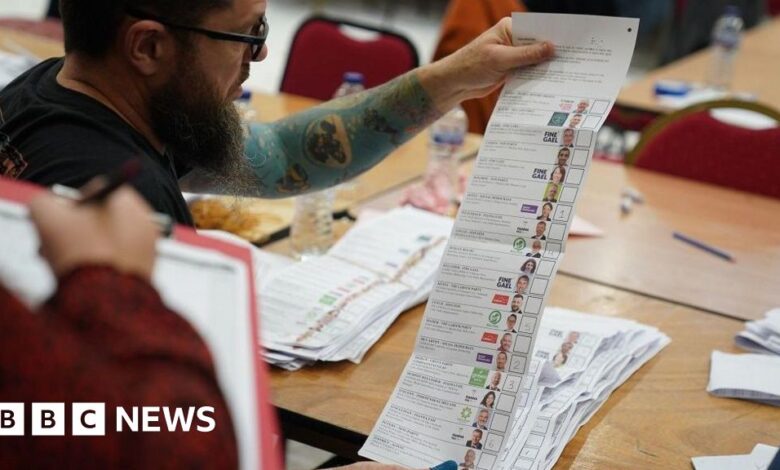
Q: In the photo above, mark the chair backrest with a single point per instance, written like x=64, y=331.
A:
x=691, y=143
x=321, y=52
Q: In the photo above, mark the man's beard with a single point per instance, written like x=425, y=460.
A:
x=202, y=131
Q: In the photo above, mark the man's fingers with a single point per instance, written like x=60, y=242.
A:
x=519, y=56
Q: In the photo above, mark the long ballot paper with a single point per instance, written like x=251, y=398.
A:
x=208, y=281
x=483, y=315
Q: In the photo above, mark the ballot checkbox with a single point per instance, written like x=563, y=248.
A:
x=545, y=268
x=556, y=231
x=511, y=383
x=533, y=305
x=539, y=286
x=500, y=422
x=517, y=364
x=575, y=176
x=562, y=213
x=568, y=194
x=522, y=344
x=527, y=325
x=552, y=250
x=599, y=107
x=505, y=403
x=580, y=157
x=584, y=138
x=493, y=442
x=591, y=122
x=486, y=461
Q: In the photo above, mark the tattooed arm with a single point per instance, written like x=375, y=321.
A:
x=340, y=139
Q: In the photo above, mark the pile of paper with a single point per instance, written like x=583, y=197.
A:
x=335, y=307
x=591, y=356
x=762, y=336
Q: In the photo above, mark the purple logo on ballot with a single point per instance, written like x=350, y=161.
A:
x=529, y=209
x=486, y=358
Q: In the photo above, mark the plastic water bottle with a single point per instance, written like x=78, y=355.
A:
x=726, y=36
x=352, y=83
x=445, y=141
x=311, y=233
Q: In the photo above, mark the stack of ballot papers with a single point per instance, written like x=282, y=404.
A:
x=578, y=361
x=335, y=307
x=758, y=459
x=762, y=336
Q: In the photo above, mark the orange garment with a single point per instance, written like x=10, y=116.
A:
x=464, y=21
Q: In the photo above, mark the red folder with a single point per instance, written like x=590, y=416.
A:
x=269, y=447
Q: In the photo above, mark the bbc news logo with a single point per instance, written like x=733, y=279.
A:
x=89, y=419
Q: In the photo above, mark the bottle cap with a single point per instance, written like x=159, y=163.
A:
x=449, y=138
x=353, y=77
x=246, y=95
x=732, y=10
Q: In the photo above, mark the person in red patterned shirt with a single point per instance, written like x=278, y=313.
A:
x=106, y=337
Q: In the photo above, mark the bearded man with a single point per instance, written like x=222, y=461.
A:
x=155, y=80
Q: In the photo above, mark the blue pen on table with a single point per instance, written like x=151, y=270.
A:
x=703, y=246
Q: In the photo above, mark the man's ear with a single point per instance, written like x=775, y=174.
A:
x=148, y=46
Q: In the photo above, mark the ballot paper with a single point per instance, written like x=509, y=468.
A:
x=205, y=285
x=763, y=335
x=748, y=376
x=335, y=307
x=485, y=310
x=758, y=459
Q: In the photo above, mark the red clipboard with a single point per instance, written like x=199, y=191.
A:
x=269, y=449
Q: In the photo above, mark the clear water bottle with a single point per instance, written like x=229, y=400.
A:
x=726, y=36
x=445, y=141
x=311, y=233
x=352, y=83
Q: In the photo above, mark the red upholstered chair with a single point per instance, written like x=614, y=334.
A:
x=321, y=52
x=692, y=144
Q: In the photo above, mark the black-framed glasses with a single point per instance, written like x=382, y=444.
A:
x=256, y=37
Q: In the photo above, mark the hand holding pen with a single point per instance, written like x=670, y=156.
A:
x=118, y=231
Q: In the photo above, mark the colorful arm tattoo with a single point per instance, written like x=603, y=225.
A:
x=337, y=140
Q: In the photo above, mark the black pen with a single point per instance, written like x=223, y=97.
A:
x=100, y=187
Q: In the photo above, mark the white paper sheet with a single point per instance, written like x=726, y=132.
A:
x=748, y=376
x=509, y=238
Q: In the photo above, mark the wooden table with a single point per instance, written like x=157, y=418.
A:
x=638, y=254
x=757, y=70
x=19, y=42
x=660, y=418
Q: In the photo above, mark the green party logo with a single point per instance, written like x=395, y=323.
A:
x=519, y=244
x=478, y=377
x=465, y=414
x=495, y=317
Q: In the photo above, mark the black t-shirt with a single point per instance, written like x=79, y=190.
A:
x=50, y=134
